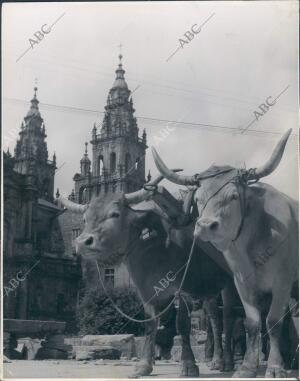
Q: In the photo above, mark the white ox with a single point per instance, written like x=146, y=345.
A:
x=256, y=228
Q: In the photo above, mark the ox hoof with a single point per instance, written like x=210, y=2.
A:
x=217, y=364
x=244, y=372
x=189, y=369
x=208, y=359
x=275, y=372
x=142, y=370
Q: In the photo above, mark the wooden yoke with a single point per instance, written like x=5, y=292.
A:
x=173, y=209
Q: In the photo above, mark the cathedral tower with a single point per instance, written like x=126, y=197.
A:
x=31, y=153
x=118, y=153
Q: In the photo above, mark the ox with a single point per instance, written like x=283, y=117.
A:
x=113, y=233
x=256, y=228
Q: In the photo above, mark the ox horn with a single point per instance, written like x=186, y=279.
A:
x=72, y=206
x=171, y=175
x=274, y=160
x=143, y=194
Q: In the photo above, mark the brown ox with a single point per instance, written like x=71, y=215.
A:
x=112, y=234
x=256, y=228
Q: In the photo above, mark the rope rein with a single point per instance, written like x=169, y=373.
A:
x=242, y=178
x=177, y=293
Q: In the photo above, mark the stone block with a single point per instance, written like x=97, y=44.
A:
x=32, y=345
x=73, y=340
x=51, y=353
x=55, y=339
x=82, y=355
x=56, y=342
x=124, y=343
x=6, y=359
x=97, y=353
x=32, y=327
x=53, y=347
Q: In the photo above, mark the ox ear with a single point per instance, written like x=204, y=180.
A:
x=123, y=200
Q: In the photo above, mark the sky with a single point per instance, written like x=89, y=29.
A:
x=244, y=54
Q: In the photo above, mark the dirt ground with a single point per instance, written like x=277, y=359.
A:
x=103, y=369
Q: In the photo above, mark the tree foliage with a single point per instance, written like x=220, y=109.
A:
x=97, y=315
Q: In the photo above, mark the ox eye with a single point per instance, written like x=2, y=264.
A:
x=114, y=215
x=234, y=196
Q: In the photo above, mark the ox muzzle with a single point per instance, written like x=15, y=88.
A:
x=205, y=227
x=85, y=242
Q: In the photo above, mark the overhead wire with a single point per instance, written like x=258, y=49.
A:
x=154, y=84
x=150, y=119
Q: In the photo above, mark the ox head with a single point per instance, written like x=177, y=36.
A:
x=221, y=195
x=111, y=225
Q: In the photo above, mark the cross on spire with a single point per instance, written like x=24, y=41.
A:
x=120, y=55
x=35, y=86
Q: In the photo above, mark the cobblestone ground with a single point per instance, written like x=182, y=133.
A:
x=104, y=369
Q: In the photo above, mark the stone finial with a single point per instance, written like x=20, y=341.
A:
x=94, y=132
x=72, y=196
x=144, y=137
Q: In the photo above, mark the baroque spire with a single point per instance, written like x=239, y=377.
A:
x=31, y=144
x=31, y=152
x=34, y=108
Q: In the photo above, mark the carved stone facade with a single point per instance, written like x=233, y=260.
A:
x=40, y=281
x=118, y=164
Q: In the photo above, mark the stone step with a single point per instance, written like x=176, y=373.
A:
x=123, y=343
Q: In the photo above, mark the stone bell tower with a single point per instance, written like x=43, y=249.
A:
x=31, y=153
x=118, y=153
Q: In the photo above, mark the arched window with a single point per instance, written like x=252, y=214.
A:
x=99, y=165
x=127, y=162
x=112, y=162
